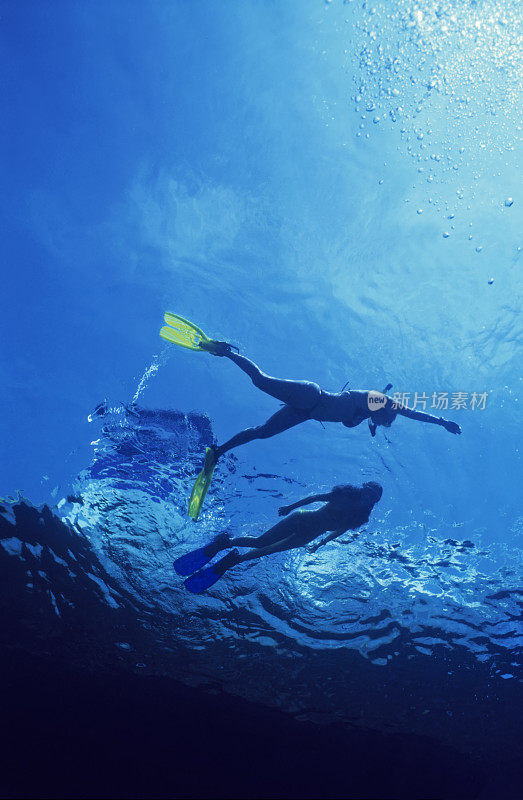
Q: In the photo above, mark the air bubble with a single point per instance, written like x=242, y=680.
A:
x=446, y=235
x=509, y=201
x=479, y=248
x=420, y=211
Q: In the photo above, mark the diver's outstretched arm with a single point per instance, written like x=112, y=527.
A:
x=314, y=498
x=451, y=427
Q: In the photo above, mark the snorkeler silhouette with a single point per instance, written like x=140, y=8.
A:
x=302, y=400
x=345, y=508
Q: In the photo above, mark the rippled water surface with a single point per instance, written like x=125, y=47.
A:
x=415, y=586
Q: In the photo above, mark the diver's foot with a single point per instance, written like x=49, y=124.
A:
x=221, y=542
x=217, y=348
x=209, y=461
x=227, y=562
x=217, y=452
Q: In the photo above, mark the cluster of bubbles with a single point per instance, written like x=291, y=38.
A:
x=157, y=362
x=448, y=75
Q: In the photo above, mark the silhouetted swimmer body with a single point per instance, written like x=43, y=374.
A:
x=304, y=400
x=345, y=508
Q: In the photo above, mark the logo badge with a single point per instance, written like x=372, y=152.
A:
x=376, y=400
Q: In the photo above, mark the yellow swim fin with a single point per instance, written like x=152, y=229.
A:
x=202, y=483
x=183, y=332
x=186, y=334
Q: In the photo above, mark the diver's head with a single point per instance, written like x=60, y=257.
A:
x=372, y=491
x=361, y=499
x=385, y=416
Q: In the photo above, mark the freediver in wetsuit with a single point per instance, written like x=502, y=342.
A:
x=345, y=508
x=304, y=400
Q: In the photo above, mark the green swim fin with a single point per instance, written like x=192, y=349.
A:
x=202, y=483
x=186, y=334
x=182, y=332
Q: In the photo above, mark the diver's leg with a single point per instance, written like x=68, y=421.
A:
x=284, y=419
x=302, y=395
x=205, y=578
x=234, y=557
x=291, y=543
x=282, y=530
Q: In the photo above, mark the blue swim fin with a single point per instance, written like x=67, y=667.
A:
x=206, y=578
x=196, y=559
x=191, y=562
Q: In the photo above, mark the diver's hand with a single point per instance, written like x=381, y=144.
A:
x=284, y=510
x=451, y=427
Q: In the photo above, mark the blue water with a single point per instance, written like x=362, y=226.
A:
x=336, y=188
